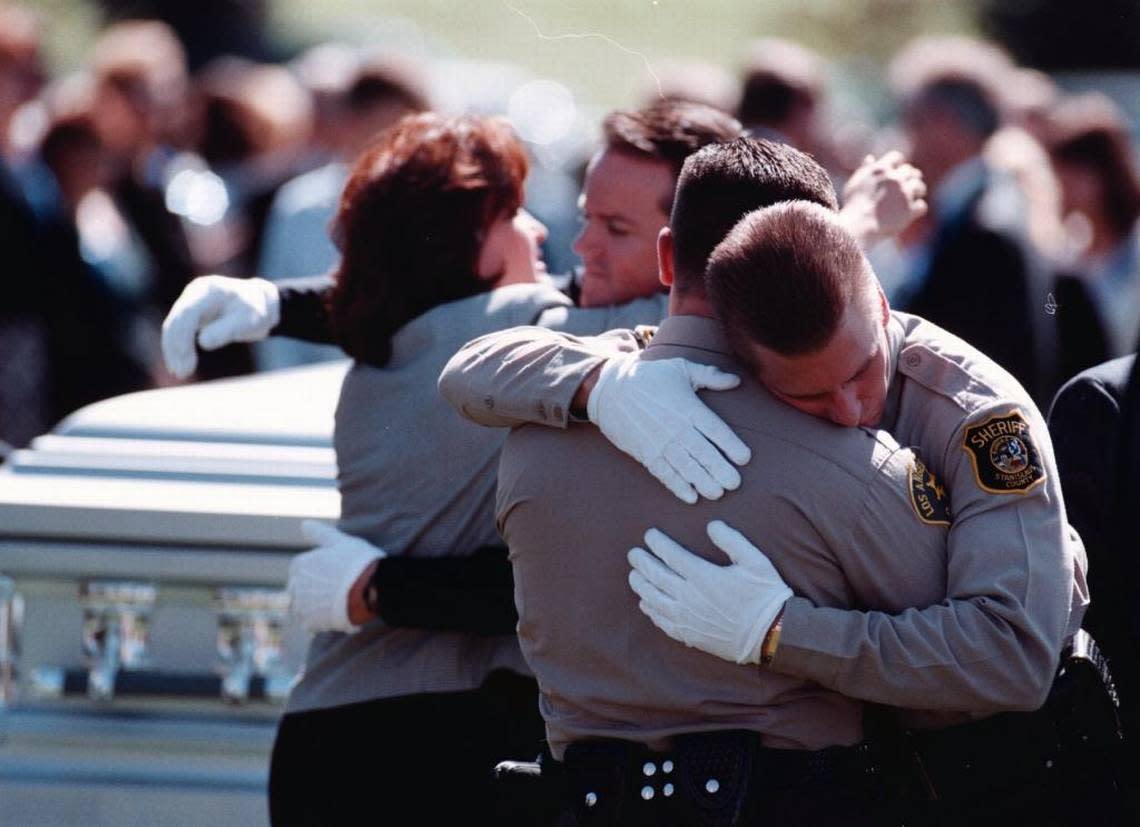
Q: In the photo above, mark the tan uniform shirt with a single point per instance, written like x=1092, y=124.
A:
x=1016, y=568
x=1015, y=585
x=570, y=506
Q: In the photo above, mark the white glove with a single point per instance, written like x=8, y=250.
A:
x=217, y=310
x=319, y=580
x=882, y=198
x=650, y=410
x=723, y=610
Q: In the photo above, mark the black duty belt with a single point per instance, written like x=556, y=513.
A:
x=1056, y=765
x=717, y=778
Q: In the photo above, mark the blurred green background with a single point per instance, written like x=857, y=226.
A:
x=609, y=69
x=859, y=33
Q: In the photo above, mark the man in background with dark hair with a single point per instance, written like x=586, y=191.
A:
x=783, y=89
x=972, y=272
x=628, y=194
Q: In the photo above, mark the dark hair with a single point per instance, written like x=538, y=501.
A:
x=769, y=100
x=784, y=276
x=1089, y=131
x=779, y=77
x=412, y=221
x=722, y=182
x=386, y=81
x=70, y=134
x=669, y=131
x=971, y=102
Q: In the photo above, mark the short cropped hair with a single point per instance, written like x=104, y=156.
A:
x=668, y=131
x=784, y=276
x=722, y=182
x=412, y=222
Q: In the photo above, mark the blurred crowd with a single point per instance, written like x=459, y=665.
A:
x=123, y=181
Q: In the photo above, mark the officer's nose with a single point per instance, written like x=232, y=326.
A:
x=846, y=409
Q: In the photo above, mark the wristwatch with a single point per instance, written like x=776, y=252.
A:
x=771, y=641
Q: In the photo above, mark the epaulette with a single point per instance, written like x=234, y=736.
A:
x=945, y=376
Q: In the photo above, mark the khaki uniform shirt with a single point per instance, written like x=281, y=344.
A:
x=1016, y=584
x=1015, y=587
x=814, y=497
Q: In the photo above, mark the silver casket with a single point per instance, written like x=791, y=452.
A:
x=144, y=646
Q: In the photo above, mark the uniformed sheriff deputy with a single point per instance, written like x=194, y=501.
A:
x=1014, y=589
x=649, y=732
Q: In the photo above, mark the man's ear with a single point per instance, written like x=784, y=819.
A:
x=665, y=271
x=884, y=305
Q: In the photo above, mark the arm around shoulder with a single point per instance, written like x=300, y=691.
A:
x=525, y=374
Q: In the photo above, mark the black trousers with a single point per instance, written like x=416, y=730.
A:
x=432, y=755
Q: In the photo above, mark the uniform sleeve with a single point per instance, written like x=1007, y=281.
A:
x=591, y=321
x=525, y=374
x=994, y=641
x=304, y=309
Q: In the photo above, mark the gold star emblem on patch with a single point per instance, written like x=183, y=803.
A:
x=927, y=496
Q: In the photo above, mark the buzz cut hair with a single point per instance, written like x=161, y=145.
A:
x=784, y=277
x=720, y=184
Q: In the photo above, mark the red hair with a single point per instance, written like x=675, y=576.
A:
x=412, y=221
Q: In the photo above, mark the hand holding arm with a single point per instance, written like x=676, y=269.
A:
x=324, y=581
x=215, y=311
x=726, y=611
x=881, y=199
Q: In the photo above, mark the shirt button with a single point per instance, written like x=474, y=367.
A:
x=913, y=360
x=650, y=769
x=711, y=786
x=647, y=793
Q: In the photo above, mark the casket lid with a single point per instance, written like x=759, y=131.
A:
x=234, y=463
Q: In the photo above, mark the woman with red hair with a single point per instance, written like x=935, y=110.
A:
x=436, y=250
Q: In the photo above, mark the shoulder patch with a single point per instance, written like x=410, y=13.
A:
x=929, y=498
x=1004, y=457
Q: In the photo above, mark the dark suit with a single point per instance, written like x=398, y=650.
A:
x=1095, y=422
x=981, y=282
x=1082, y=338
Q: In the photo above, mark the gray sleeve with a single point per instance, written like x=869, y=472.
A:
x=590, y=321
x=525, y=374
x=993, y=641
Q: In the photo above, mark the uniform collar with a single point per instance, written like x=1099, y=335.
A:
x=896, y=339
x=692, y=331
